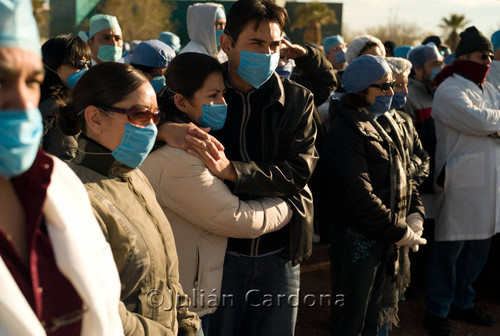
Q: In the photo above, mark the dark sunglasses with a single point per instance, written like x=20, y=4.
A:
x=80, y=64
x=139, y=116
x=385, y=86
x=485, y=56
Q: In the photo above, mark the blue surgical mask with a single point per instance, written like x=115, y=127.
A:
x=399, y=100
x=214, y=116
x=256, y=68
x=340, y=56
x=218, y=33
x=382, y=104
x=109, y=53
x=74, y=78
x=158, y=83
x=434, y=73
x=136, y=144
x=19, y=140
x=286, y=70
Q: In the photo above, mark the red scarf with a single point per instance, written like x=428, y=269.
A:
x=471, y=70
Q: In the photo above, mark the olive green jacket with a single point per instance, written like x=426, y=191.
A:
x=152, y=299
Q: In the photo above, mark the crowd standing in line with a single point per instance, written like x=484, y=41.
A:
x=199, y=171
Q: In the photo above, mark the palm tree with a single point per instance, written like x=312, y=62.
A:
x=452, y=24
x=312, y=15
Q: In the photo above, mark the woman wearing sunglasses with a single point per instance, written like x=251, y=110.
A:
x=201, y=208
x=370, y=195
x=63, y=57
x=114, y=107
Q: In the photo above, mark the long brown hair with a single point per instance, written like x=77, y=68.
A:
x=103, y=85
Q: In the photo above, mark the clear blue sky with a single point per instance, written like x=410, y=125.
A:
x=359, y=14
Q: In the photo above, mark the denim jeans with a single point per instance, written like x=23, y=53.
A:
x=259, y=296
x=453, y=267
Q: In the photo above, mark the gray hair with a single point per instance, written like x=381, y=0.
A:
x=399, y=65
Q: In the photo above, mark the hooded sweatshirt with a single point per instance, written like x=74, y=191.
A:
x=201, y=30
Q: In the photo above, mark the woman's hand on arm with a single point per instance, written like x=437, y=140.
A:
x=176, y=135
x=221, y=167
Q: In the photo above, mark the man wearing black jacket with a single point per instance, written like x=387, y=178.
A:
x=269, y=136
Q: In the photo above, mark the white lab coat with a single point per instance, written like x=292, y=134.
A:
x=82, y=255
x=468, y=207
x=494, y=74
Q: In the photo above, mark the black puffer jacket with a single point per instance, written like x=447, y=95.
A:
x=357, y=158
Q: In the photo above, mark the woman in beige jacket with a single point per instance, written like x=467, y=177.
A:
x=200, y=207
x=114, y=107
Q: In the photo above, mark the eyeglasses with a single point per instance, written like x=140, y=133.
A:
x=79, y=64
x=485, y=56
x=139, y=116
x=385, y=86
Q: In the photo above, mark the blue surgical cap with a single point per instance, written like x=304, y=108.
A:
x=495, y=40
x=364, y=71
x=423, y=53
x=101, y=21
x=152, y=53
x=331, y=41
x=83, y=35
x=18, y=27
x=171, y=39
x=220, y=13
x=402, y=51
x=448, y=60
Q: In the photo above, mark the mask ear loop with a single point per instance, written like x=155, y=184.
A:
x=50, y=69
x=85, y=152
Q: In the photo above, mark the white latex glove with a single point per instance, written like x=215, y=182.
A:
x=416, y=223
x=411, y=238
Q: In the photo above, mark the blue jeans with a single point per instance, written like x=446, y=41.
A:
x=453, y=267
x=259, y=296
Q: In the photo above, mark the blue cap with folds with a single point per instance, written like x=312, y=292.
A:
x=220, y=13
x=423, y=53
x=331, y=41
x=364, y=71
x=102, y=21
x=18, y=27
x=495, y=40
x=83, y=35
x=402, y=51
x=171, y=39
x=152, y=53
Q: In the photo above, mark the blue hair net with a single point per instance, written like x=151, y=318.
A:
x=423, y=53
x=402, y=51
x=152, y=53
x=448, y=60
x=83, y=35
x=18, y=27
x=101, y=21
x=364, y=71
x=331, y=41
x=171, y=39
x=220, y=13
x=495, y=40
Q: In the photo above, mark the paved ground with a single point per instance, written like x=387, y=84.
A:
x=315, y=280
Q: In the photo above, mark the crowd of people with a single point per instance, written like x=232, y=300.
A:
x=163, y=190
